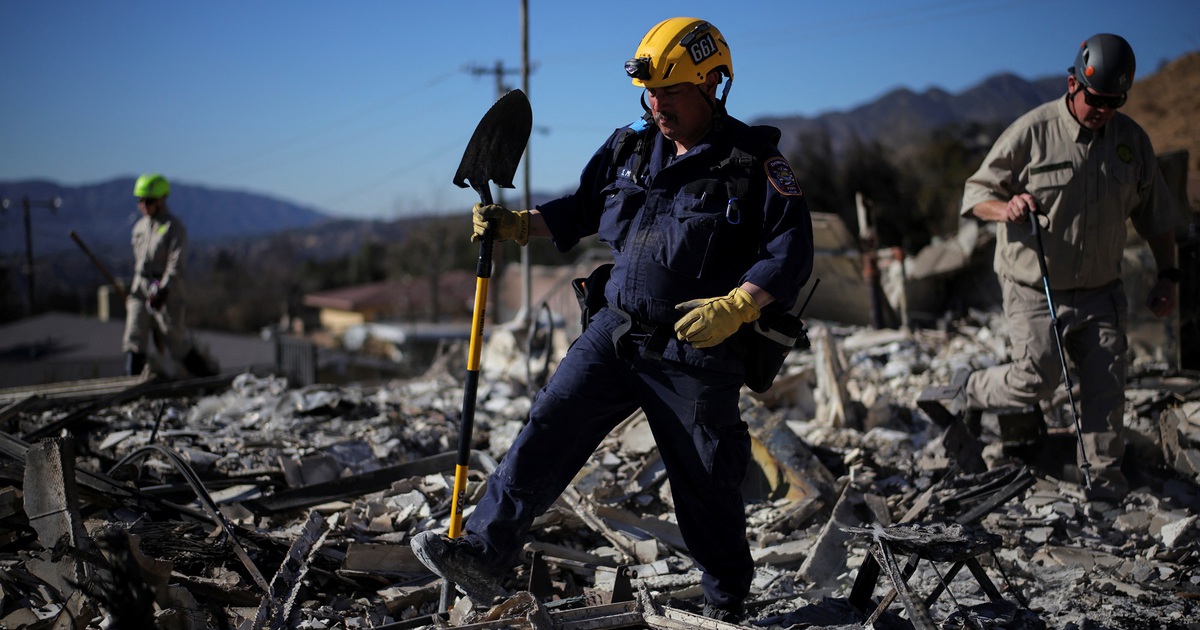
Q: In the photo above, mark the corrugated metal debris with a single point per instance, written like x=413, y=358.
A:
x=248, y=503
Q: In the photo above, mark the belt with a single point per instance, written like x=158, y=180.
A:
x=652, y=337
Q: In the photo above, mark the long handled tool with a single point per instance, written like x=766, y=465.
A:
x=159, y=344
x=99, y=265
x=492, y=155
x=1062, y=354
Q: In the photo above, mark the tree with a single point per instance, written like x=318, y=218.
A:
x=367, y=265
x=816, y=168
x=432, y=247
x=893, y=192
x=942, y=167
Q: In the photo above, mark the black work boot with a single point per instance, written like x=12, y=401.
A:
x=958, y=382
x=1108, y=486
x=454, y=559
x=197, y=365
x=135, y=362
x=732, y=613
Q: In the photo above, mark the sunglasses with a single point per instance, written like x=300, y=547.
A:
x=147, y=200
x=1105, y=102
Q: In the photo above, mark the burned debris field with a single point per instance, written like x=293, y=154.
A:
x=240, y=501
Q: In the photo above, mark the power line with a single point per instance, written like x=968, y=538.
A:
x=293, y=143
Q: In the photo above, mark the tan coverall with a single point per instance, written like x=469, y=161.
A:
x=159, y=249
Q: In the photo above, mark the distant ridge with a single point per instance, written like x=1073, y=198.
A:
x=1163, y=102
x=901, y=117
x=103, y=214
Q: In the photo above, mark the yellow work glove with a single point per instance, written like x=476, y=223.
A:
x=509, y=225
x=710, y=321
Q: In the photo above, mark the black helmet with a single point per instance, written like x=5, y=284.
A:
x=1105, y=63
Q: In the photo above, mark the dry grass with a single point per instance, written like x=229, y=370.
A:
x=1167, y=106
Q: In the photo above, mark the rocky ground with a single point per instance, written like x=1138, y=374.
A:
x=187, y=507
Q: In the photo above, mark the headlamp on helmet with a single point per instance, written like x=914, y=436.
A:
x=638, y=68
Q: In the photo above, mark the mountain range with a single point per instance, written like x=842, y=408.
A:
x=902, y=117
x=1164, y=103
x=104, y=213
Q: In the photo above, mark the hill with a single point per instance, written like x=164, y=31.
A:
x=902, y=118
x=103, y=214
x=261, y=232
x=1165, y=104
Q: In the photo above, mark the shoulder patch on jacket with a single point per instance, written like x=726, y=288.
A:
x=782, y=178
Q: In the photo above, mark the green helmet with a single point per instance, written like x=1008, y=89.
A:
x=1105, y=63
x=151, y=185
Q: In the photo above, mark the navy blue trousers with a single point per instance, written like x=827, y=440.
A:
x=694, y=417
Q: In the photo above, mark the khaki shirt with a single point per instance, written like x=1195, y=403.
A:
x=1087, y=183
x=159, y=249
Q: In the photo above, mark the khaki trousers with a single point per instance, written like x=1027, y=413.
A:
x=165, y=323
x=1093, y=323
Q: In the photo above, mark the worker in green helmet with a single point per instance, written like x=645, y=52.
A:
x=156, y=302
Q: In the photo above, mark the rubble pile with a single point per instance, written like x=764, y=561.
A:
x=245, y=503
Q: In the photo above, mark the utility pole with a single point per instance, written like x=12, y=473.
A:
x=26, y=205
x=525, y=315
x=497, y=71
x=526, y=263
x=529, y=318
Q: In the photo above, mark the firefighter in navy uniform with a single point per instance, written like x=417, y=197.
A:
x=708, y=226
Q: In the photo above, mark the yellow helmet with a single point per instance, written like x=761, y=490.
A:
x=679, y=50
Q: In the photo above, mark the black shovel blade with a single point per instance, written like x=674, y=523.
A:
x=496, y=146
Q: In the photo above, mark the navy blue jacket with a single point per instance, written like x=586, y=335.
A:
x=674, y=234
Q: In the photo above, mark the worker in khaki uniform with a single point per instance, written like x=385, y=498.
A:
x=1082, y=169
x=156, y=302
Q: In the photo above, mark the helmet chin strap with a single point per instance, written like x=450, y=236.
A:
x=718, y=107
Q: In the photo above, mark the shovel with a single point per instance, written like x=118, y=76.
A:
x=492, y=155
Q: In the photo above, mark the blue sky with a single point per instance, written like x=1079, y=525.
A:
x=363, y=108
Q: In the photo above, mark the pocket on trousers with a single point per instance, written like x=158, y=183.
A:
x=718, y=433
